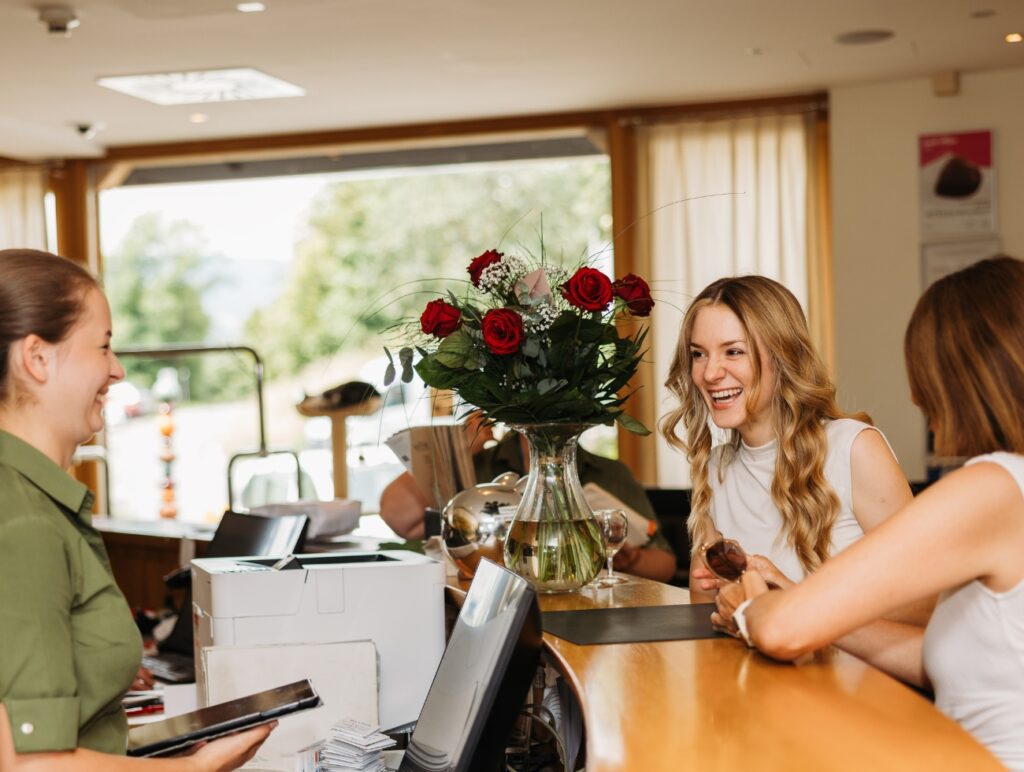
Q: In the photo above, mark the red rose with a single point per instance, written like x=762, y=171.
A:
x=440, y=318
x=637, y=294
x=478, y=263
x=588, y=289
x=503, y=331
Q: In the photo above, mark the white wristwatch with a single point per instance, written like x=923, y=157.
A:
x=741, y=621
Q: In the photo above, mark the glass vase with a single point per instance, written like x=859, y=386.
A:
x=554, y=541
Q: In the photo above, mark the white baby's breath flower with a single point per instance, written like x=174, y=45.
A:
x=502, y=276
x=539, y=318
x=557, y=275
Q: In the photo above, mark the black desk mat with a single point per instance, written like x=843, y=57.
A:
x=632, y=625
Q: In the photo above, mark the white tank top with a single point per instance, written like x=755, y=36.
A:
x=974, y=654
x=742, y=506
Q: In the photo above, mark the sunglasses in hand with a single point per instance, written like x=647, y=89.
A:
x=725, y=559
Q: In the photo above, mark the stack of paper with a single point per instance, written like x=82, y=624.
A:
x=326, y=518
x=352, y=745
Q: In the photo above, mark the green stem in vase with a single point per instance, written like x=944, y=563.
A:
x=554, y=541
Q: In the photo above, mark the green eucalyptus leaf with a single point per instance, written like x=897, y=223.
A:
x=531, y=347
x=405, y=357
x=520, y=369
x=547, y=384
x=631, y=424
x=389, y=374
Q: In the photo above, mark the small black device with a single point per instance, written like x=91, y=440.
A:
x=181, y=732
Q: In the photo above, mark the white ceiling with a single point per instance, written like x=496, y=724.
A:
x=382, y=62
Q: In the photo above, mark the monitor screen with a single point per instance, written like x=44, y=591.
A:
x=483, y=678
x=243, y=534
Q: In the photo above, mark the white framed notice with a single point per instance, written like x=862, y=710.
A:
x=957, y=184
x=945, y=257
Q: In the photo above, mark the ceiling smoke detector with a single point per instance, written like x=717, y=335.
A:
x=59, y=19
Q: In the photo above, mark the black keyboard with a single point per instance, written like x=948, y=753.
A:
x=171, y=668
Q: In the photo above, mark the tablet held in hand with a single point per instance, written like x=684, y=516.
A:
x=181, y=732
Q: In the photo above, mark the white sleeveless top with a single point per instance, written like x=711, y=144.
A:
x=974, y=654
x=742, y=506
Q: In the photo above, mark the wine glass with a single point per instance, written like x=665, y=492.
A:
x=614, y=527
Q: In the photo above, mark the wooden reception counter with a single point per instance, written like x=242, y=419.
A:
x=717, y=705
x=706, y=705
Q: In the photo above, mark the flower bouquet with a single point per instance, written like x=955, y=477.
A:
x=539, y=348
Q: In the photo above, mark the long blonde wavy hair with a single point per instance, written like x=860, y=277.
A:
x=804, y=398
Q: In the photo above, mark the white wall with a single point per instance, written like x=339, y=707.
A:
x=874, y=130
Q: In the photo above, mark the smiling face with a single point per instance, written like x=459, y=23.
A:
x=722, y=369
x=82, y=369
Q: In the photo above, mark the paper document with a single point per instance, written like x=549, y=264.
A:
x=438, y=458
x=344, y=675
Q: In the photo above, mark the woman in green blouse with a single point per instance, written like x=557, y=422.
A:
x=69, y=648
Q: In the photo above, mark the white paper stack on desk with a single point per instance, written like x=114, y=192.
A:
x=353, y=745
x=326, y=518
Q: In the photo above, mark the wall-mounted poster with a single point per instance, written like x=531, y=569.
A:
x=957, y=184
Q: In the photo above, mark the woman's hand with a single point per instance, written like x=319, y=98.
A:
x=231, y=752
x=768, y=571
x=731, y=595
x=143, y=680
x=706, y=581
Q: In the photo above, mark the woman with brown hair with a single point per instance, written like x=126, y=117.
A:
x=963, y=536
x=795, y=480
x=69, y=648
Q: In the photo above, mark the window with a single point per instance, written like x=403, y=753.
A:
x=316, y=272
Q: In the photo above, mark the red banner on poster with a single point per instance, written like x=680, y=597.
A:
x=973, y=146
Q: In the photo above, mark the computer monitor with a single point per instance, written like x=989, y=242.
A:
x=239, y=535
x=482, y=681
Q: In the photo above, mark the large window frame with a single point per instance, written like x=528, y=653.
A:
x=75, y=184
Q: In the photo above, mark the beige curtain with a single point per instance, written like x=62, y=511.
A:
x=725, y=196
x=22, y=220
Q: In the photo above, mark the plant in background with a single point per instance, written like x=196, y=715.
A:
x=531, y=343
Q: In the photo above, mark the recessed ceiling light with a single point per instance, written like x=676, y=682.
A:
x=251, y=7
x=862, y=37
x=198, y=118
x=199, y=86
x=1014, y=37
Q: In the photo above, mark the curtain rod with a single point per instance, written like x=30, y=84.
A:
x=814, y=104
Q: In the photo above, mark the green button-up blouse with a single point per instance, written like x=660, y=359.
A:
x=69, y=647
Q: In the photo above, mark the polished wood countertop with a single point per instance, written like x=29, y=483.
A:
x=717, y=705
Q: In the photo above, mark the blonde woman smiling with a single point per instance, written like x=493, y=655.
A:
x=963, y=537
x=796, y=480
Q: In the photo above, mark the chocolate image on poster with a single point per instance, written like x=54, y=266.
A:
x=957, y=184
